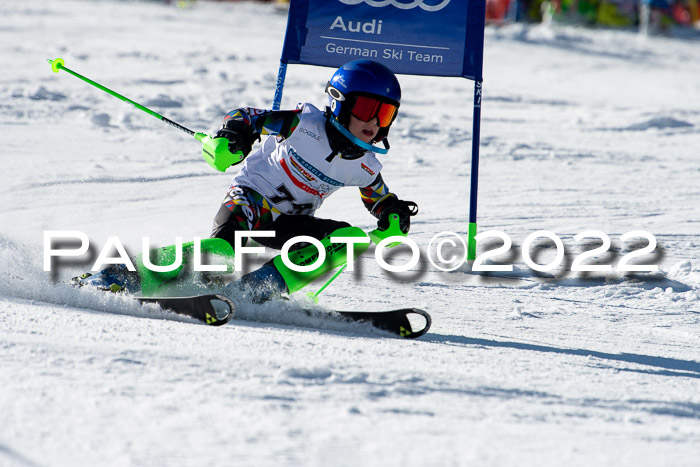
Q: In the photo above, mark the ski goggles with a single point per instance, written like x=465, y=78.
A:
x=368, y=108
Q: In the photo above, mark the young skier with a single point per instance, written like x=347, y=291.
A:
x=313, y=153
x=308, y=155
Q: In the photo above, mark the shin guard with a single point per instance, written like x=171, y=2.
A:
x=151, y=281
x=336, y=255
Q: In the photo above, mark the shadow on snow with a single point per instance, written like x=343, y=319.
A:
x=667, y=366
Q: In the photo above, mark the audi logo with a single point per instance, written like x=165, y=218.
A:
x=402, y=5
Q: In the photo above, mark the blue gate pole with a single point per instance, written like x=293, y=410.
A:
x=476, y=133
x=281, y=74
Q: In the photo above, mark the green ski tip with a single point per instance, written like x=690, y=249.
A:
x=56, y=65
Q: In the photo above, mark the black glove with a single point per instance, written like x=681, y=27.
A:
x=240, y=135
x=393, y=205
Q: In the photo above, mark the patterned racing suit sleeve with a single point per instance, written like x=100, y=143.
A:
x=374, y=195
x=267, y=122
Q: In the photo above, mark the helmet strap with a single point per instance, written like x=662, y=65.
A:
x=355, y=140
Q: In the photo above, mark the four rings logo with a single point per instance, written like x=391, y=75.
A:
x=401, y=4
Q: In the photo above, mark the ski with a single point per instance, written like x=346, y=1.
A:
x=212, y=309
x=217, y=310
x=394, y=321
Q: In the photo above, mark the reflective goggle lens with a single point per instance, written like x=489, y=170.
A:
x=368, y=108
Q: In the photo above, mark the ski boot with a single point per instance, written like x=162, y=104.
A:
x=114, y=278
x=259, y=286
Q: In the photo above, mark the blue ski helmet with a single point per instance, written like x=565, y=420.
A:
x=361, y=78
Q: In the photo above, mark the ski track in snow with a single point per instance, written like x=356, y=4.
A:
x=581, y=130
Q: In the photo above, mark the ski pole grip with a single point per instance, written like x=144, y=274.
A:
x=56, y=64
x=216, y=153
x=394, y=230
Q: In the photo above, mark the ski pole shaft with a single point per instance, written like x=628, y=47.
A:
x=57, y=65
x=214, y=150
x=315, y=296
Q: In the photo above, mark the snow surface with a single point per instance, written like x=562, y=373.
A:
x=581, y=130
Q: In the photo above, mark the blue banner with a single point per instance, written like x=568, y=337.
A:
x=416, y=37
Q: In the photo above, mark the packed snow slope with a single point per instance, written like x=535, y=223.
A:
x=582, y=130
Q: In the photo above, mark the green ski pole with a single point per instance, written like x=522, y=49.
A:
x=314, y=296
x=214, y=150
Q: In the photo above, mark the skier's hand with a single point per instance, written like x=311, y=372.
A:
x=393, y=205
x=240, y=135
